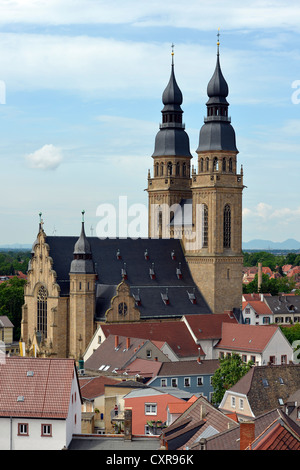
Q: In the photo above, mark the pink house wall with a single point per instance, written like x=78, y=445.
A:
x=139, y=418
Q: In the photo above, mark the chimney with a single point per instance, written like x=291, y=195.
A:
x=127, y=343
x=202, y=411
x=247, y=434
x=259, y=276
x=128, y=424
x=116, y=341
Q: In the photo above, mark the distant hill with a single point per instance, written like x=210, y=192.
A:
x=16, y=246
x=258, y=244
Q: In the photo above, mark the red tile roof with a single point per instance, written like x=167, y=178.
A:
x=261, y=308
x=94, y=387
x=276, y=437
x=246, y=337
x=44, y=383
x=174, y=333
x=208, y=326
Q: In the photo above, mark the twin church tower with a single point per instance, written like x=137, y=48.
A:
x=191, y=263
x=201, y=207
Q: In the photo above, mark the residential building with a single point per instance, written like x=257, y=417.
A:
x=114, y=411
x=256, y=343
x=260, y=309
x=10, y=347
x=256, y=312
x=40, y=403
x=117, y=352
x=273, y=430
x=262, y=389
x=181, y=338
x=93, y=402
x=198, y=420
x=178, y=341
x=192, y=376
x=149, y=409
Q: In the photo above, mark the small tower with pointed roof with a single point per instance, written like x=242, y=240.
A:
x=216, y=261
x=171, y=162
x=82, y=296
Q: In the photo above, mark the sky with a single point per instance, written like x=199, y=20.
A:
x=81, y=85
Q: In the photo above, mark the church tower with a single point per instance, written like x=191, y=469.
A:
x=82, y=296
x=171, y=163
x=216, y=261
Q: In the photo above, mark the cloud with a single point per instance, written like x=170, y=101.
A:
x=201, y=15
x=48, y=157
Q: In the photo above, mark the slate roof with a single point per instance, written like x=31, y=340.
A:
x=265, y=385
x=283, y=304
x=189, y=367
x=46, y=388
x=175, y=333
x=132, y=252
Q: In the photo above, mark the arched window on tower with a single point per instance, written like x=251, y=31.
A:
x=161, y=169
x=170, y=166
x=177, y=169
x=230, y=165
x=227, y=227
x=205, y=226
x=42, y=311
x=184, y=169
x=156, y=169
x=224, y=164
x=215, y=164
x=207, y=164
x=201, y=164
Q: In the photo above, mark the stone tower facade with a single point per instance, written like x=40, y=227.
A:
x=171, y=164
x=216, y=260
x=209, y=200
x=54, y=324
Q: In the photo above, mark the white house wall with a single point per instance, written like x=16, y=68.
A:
x=9, y=439
x=278, y=347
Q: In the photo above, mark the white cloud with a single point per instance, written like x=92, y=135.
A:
x=198, y=14
x=48, y=157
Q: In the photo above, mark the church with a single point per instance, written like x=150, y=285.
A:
x=190, y=263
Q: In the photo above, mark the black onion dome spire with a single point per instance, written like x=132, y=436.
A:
x=82, y=254
x=172, y=139
x=217, y=132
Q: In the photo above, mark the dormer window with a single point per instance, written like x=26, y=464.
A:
x=165, y=298
x=192, y=297
x=151, y=272
x=124, y=272
x=137, y=298
x=178, y=272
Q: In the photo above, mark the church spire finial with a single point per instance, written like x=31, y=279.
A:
x=218, y=41
x=172, y=54
x=82, y=213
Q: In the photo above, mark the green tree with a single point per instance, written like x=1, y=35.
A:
x=231, y=370
x=11, y=301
